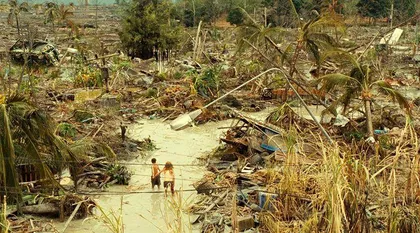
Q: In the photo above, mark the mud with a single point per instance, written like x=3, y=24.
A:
x=145, y=210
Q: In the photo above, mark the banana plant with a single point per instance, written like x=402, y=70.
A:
x=361, y=82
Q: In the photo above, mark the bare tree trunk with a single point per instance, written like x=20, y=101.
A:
x=196, y=44
x=265, y=17
x=21, y=75
x=368, y=118
x=193, y=5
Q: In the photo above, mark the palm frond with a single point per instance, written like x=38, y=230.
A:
x=249, y=21
x=396, y=96
x=257, y=34
x=321, y=39
x=35, y=157
x=341, y=56
x=7, y=154
x=312, y=48
x=33, y=135
x=24, y=6
x=287, y=54
x=13, y=3
x=326, y=21
x=330, y=81
x=82, y=147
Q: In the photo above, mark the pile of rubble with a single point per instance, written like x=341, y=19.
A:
x=238, y=182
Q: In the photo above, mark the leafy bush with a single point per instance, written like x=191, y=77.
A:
x=207, y=83
x=88, y=78
x=148, y=26
x=119, y=173
x=66, y=130
x=235, y=16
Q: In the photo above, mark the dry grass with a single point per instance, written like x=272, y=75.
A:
x=348, y=187
x=112, y=220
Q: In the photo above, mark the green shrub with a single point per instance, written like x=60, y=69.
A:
x=235, y=16
x=66, y=130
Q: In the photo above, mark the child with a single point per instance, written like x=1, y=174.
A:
x=155, y=174
x=169, y=180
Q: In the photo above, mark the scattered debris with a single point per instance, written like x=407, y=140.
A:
x=35, y=52
x=392, y=38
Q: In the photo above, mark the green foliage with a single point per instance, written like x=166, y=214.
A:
x=151, y=92
x=119, y=64
x=235, y=17
x=385, y=142
x=361, y=82
x=349, y=135
x=87, y=147
x=161, y=77
x=15, y=10
x=88, y=77
x=283, y=13
x=119, y=173
x=404, y=9
x=51, y=13
x=374, y=9
x=210, y=11
x=27, y=133
x=207, y=84
x=178, y=75
x=147, y=144
x=66, y=130
x=147, y=26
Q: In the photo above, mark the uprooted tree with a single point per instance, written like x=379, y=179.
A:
x=147, y=27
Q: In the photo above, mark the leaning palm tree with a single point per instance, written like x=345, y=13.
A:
x=312, y=38
x=360, y=82
x=15, y=10
x=27, y=135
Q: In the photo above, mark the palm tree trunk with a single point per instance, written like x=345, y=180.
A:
x=3, y=81
x=292, y=68
x=368, y=118
x=7, y=152
x=55, y=34
x=21, y=74
x=17, y=24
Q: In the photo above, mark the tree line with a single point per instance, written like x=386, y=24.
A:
x=153, y=25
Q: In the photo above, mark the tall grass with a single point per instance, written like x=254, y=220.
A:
x=176, y=213
x=352, y=188
x=113, y=220
x=4, y=223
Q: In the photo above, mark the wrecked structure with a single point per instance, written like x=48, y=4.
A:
x=34, y=52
